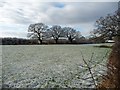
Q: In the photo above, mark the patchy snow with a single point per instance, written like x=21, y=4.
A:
x=47, y=66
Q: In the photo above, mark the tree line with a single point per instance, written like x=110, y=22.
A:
x=17, y=41
x=106, y=28
x=39, y=33
x=56, y=33
x=21, y=41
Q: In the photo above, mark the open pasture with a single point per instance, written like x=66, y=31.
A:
x=48, y=66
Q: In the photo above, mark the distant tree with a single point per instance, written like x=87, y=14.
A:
x=79, y=36
x=118, y=23
x=56, y=32
x=71, y=33
x=107, y=27
x=38, y=31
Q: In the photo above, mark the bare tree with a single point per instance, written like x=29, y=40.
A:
x=118, y=22
x=71, y=33
x=79, y=36
x=38, y=31
x=56, y=32
x=107, y=27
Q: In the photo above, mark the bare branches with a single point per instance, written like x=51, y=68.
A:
x=71, y=33
x=56, y=32
x=90, y=71
x=107, y=27
x=37, y=31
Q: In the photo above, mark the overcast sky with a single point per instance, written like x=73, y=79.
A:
x=17, y=15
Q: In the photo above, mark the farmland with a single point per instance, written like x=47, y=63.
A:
x=48, y=66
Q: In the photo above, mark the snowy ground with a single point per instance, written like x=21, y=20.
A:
x=0, y=66
x=48, y=66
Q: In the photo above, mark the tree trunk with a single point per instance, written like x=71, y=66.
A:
x=56, y=40
x=39, y=41
x=70, y=39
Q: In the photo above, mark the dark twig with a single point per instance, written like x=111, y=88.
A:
x=90, y=71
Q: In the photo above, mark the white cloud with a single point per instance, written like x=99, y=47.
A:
x=13, y=30
x=81, y=14
x=63, y=0
x=13, y=34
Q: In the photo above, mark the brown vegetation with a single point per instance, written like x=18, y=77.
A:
x=112, y=79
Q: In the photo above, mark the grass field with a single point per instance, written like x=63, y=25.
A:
x=47, y=66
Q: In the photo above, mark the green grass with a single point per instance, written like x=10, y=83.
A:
x=46, y=65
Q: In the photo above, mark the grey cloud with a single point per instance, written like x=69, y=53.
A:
x=2, y=3
x=25, y=13
x=81, y=12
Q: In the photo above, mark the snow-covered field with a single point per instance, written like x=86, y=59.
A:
x=0, y=66
x=48, y=66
